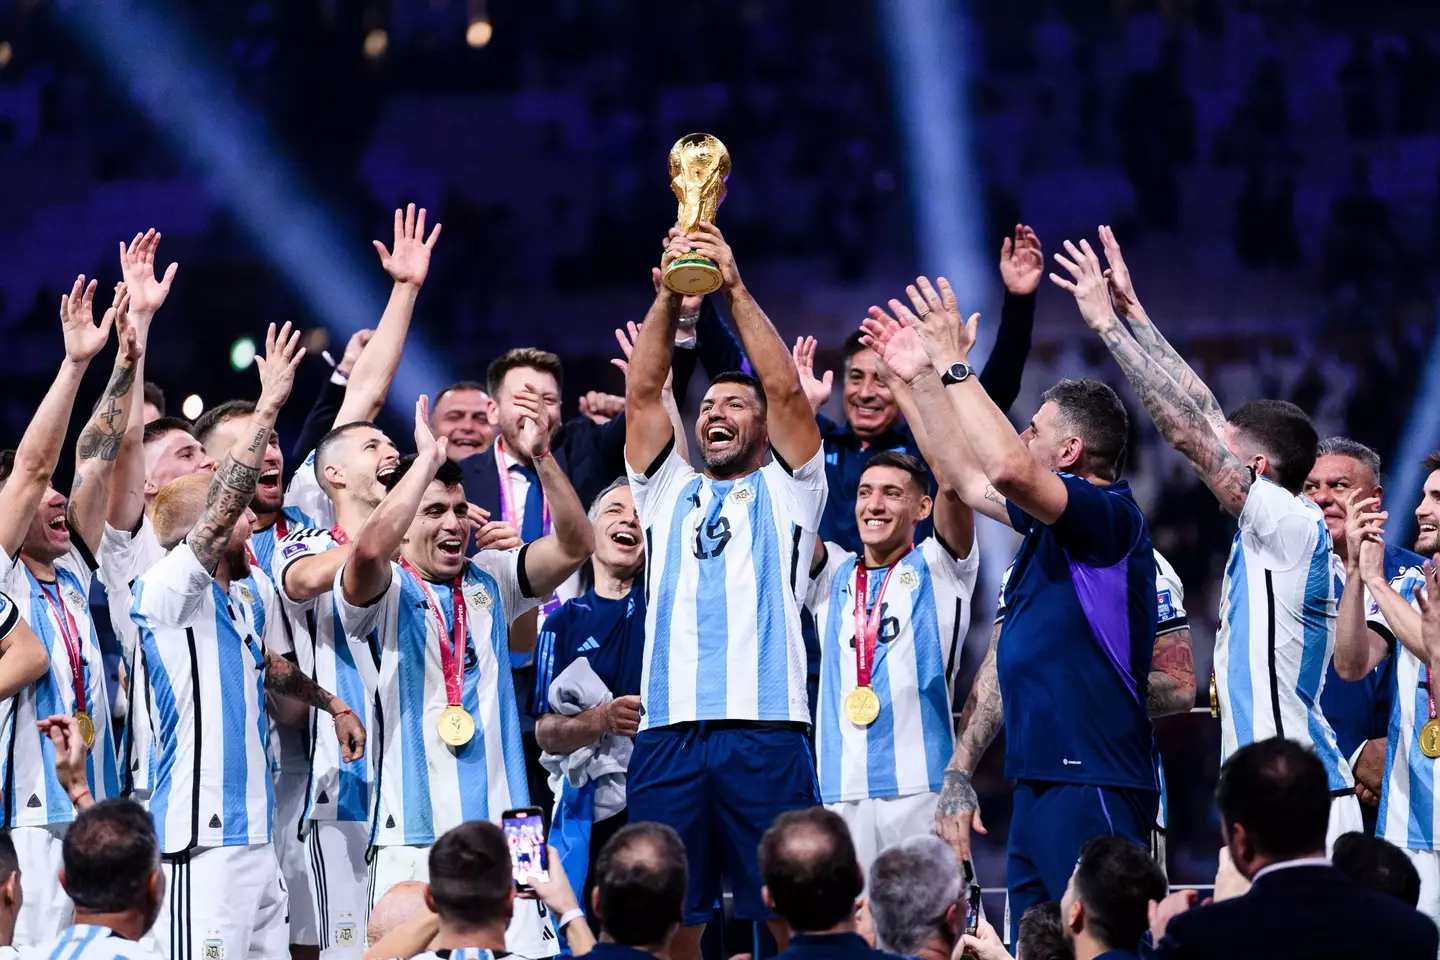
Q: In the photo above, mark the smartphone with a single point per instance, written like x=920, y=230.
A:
x=972, y=904
x=525, y=835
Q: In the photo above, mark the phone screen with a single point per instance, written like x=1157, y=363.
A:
x=525, y=835
x=972, y=910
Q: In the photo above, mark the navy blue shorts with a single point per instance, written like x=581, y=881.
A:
x=1049, y=825
x=720, y=789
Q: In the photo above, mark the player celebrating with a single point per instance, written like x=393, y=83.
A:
x=1277, y=621
x=431, y=635
x=722, y=748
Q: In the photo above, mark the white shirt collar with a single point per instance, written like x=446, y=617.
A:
x=1287, y=864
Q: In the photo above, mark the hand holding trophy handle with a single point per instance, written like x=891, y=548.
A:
x=699, y=167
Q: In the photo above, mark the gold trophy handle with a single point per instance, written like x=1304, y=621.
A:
x=699, y=166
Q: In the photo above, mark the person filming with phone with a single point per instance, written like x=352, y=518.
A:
x=919, y=900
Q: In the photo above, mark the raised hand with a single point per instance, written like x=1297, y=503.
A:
x=897, y=346
x=601, y=407
x=1022, y=262
x=1122, y=289
x=353, y=348
x=83, y=339
x=1161, y=912
x=707, y=240
x=944, y=332
x=1089, y=285
x=283, y=354
x=132, y=342
x=1364, y=533
x=816, y=391
x=137, y=265
x=428, y=448
x=534, y=421
x=409, y=262
x=626, y=338
x=689, y=306
x=70, y=753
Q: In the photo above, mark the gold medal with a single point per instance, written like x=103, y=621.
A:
x=862, y=706
x=456, y=726
x=87, y=728
x=1430, y=738
x=1214, y=697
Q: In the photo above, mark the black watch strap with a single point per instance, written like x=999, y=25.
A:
x=958, y=372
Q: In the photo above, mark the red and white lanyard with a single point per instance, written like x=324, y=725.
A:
x=452, y=642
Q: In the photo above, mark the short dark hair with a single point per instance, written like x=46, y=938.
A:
x=161, y=427
x=1094, y=412
x=470, y=878
x=1431, y=463
x=461, y=385
x=7, y=464
x=522, y=357
x=1377, y=865
x=109, y=853
x=326, y=447
x=1115, y=880
x=1279, y=792
x=642, y=878
x=1284, y=433
x=901, y=461
x=1042, y=934
x=1354, y=449
x=451, y=474
x=206, y=423
x=853, y=345
x=741, y=377
x=154, y=395
x=808, y=862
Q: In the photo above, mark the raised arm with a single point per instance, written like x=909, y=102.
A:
x=626, y=338
x=550, y=560
x=408, y=264
x=1022, y=264
x=958, y=810
x=321, y=417
x=1148, y=336
x=368, y=571
x=647, y=425
x=101, y=437
x=794, y=436
x=39, y=450
x=1183, y=425
x=233, y=486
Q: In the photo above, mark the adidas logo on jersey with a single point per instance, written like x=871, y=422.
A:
x=389, y=823
x=591, y=644
x=33, y=802
x=323, y=798
x=215, y=821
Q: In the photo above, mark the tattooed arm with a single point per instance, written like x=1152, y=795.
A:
x=1172, y=674
x=284, y=678
x=958, y=810
x=234, y=484
x=100, y=440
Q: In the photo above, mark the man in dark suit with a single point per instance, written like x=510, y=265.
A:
x=1274, y=801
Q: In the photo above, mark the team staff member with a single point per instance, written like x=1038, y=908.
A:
x=722, y=747
x=1073, y=656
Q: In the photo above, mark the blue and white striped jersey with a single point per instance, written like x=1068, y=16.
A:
x=204, y=650
x=338, y=790
x=306, y=505
x=459, y=953
x=727, y=568
x=27, y=758
x=85, y=941
x=1277, y=628
x=924, y=615
x=425, y=787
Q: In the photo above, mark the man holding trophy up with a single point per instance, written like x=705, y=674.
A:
x=722, y=747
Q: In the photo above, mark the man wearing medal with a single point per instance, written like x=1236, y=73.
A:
x=892, y=624
x=430, y=634
x=1376, y=611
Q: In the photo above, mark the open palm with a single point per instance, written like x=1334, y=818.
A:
x=409, y=261
x=83, y=338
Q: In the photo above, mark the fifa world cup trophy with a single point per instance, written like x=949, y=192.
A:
x=699, y=166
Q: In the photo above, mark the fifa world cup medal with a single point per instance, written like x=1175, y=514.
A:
x=1430, y=739
x=456, y=726
x=87, y=728
x=862, y=706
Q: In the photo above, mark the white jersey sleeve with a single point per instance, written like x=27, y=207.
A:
x=800, y=496
x=295, y=546
x=504, y=566
x=124, y=556
x=304, y=494
x=360, y=621
x=9, y=615
x=819, y=594
x=172, y=593
x=956, y=574
x=1169, y=598
x=1277, y=531
x=659, y=485
x=1408, y=582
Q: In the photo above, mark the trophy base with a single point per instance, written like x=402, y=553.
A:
x=693, y=276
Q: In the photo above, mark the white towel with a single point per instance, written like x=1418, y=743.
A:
x=577, y=689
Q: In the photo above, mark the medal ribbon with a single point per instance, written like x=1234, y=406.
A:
x=338, y=535
x=866, y=637
x=70, y=633
x=282, y=529
x=511, y=514
x=452, y=644
x=1429, y=691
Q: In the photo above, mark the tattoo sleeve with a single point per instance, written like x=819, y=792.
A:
x=106, y=429
x=288, y=680
x=230, y=493
x=982, y=714
x=1172, y=675
x=1153, y=342
x=1180, y=421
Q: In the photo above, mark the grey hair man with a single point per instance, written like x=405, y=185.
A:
x=917, y=898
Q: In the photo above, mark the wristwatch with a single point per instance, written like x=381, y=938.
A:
x=958, y=372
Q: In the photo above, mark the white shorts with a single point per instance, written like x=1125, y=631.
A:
x=294, y=857
x=1427, y=862
x=1345, y=817
x=224, y=903
x=340, y=880
x=531, y=933
x=878, y=823
x=46, y=909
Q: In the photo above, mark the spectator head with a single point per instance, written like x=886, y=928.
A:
x=171, y=452
x=917, y=896
x=220, y=427
x=619, y=542
x=731, y=427
x=462, y=413
x=1107, y=902
x=11, y=897
x=154, y=402
x=1275, y=439
x=179, y=506
x=1377, y=865
x=640, y=883
x=471, y=886
x=435, y=542
x=810, y=873
x=356, y=458
x=1042, y=935
x=1343, y=468
x=47, y=538
x=1427, y=515
x=401, y=903
x=870, y=406
x=891, y=500
x=111, y=862
x=508, y=374
x=1080, y=428
x=1274, y=800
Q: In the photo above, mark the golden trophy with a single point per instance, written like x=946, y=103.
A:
x=699, y=166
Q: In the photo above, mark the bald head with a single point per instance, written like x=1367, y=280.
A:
x=178, y=507
x=640, y=883
x=809, y=868
x=401, y=903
